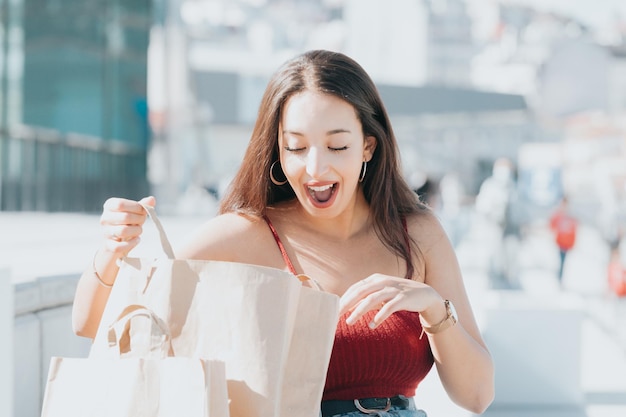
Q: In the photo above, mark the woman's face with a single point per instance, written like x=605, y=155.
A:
x=322, y=149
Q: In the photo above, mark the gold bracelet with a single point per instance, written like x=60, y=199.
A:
x=95, y=271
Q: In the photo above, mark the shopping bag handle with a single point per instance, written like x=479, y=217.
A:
x=310, y=282
x=119, y=333
x=165, y=242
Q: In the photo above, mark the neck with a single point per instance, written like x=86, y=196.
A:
x=351, y=223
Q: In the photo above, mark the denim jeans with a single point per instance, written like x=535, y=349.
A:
x=411, y=411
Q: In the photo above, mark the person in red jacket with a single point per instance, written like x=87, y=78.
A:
x=617, y=265
x=564, y=226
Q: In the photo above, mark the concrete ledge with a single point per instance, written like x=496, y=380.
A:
x=6, y=348
x=45, y=292
x=42, y=328
x=27, y=298
x=536, y=346
x=57, y=290
x=564, y=411
x=27, y=366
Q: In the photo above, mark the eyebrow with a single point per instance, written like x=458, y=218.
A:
x=329, y=133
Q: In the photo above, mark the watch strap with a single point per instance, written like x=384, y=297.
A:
x=449, y=321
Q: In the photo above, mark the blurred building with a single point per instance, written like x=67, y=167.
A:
x=573, y=76
x=412, y=42
x=466, y=82
x=461, y=130
x=73, y=107
x=581, y=76
x=419, y=54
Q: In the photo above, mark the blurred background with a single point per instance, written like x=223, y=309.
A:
x=501, y=108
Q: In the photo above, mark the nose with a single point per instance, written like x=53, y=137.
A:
x=316, y=163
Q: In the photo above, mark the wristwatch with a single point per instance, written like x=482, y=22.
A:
x=449, y=321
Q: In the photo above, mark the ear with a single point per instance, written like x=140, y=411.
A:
x=368, y=149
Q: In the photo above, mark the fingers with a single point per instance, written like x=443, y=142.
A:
x=122, y=221
x=122, y=233
x=124, y=205
x=386, y=295
x=148, y=201
x=121, y=247
x=357, y=292
x=381, y=300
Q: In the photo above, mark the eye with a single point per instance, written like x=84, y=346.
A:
x=290, y=149
x=343, y=148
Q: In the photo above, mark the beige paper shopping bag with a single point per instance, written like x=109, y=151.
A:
x=274, y=335
x=309, y=354
x=140, y=381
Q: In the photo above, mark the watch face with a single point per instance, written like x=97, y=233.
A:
x=452, y=311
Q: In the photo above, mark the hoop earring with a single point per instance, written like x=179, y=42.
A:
x=362, y=177
x=279, y=183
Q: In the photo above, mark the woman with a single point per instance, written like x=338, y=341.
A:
x=320, y=192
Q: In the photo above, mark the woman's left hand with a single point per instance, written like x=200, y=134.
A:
x=387, y=294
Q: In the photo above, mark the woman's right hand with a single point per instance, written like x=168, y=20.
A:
x=122, y=222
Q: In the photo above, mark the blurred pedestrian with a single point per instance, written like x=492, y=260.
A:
x=320, y=192
x=451, y=200
x=496, y=193
x=494, y=205
x=564, y=226
x=617, y=266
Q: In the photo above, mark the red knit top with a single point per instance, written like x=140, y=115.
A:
x=387, y=361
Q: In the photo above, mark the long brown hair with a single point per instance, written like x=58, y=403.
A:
x=390, y=198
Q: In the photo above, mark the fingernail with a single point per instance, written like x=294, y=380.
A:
x=372, y=325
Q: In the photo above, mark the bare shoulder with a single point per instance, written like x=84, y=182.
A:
x=426, y=229
x=229, y=237
x=442, y=270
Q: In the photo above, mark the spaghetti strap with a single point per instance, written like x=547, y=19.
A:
x=281, y=247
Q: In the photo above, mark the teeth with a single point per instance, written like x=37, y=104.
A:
x=321, y=188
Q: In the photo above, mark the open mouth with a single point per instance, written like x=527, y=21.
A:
x=321, y=194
